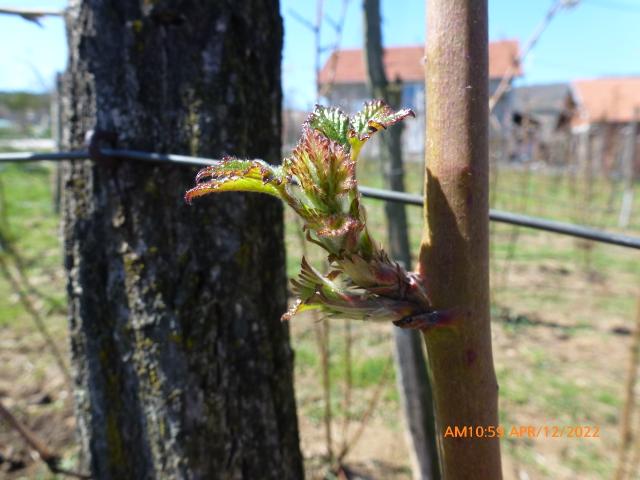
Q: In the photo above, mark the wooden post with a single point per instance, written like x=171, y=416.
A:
x=182, y=365
x=411, y=367
x=455, y=246
x=628, y=171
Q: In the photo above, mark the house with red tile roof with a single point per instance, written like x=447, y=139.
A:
x=343, y=82
x=606, y=100
x=606, y=117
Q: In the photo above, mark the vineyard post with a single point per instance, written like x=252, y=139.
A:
x=411, y=368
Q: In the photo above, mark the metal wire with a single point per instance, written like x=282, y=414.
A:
x=159, y=157
x=38, y=157
x=578, y=231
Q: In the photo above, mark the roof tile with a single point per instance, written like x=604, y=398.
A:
x=406, y=63
x=607, y=99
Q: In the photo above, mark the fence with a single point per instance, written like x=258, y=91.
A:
x=578, y=231
x=510, y=322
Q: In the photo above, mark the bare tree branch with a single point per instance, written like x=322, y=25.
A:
x=49, y=457
x=31, y=14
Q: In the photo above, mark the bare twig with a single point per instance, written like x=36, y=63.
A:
x=307, y=23
x=19, y=264
x=338, y=27
x=8, y=248
x=37, y=319
x=348, y=381
x=629, y=406
x=514, y=235
x=31, y=14
x=628, y=170
x=318, y=45
x=503, y=86
x=322, y=335
x=50, y=458
x=316, y=28
x=321, y=328
x=366, y=416
x=635, y=459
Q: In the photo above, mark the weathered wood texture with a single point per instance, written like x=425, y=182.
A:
x=454, y=258
x=411, y=365
x=183, y=368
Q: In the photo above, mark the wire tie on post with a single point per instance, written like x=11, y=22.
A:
x=96, y=140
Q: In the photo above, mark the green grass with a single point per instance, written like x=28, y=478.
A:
x=537, y=382
x=27, y=219
x=589, y=459
x=370, y=354
x=551, y=279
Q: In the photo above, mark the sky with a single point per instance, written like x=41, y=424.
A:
x=596, y=38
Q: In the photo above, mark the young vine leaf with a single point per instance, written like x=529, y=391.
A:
x=319, y=182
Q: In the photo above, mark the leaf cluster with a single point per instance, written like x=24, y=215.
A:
x=318, y=181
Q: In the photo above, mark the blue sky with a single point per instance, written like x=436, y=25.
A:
x=596, y=38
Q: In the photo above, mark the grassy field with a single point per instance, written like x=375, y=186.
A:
x=562, y=310
x=559, y=306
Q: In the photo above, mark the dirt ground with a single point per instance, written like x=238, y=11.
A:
x=558, y=364
x=34, y=390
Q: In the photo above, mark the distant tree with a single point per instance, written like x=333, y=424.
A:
x=23, y=101
x=182, y=365
x=24, y=107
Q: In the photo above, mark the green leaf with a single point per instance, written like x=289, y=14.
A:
x=233, y=175
x=310, y=281
x=333, y=123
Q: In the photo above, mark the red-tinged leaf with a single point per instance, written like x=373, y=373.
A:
x=310, y=281
x=339, y=226
x=323, y=168
x=364, y=306
x=233, y=175
x=319, y=292
x=376, y=115
x=432, y=319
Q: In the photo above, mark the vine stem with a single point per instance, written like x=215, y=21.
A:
x=454, y=254
x=322, y=333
